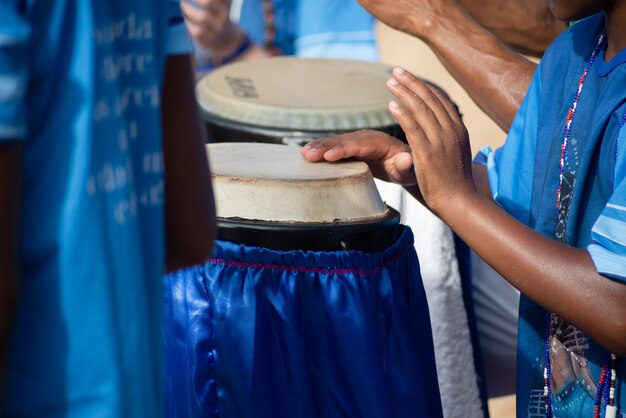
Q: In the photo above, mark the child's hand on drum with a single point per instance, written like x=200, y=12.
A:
x=388, y=158
x=438, y=139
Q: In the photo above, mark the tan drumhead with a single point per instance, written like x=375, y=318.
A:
x=271, y=182
x=299, y=94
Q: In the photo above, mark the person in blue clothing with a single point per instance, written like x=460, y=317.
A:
x=225, y=31
x=546, y=210
x=101, y=154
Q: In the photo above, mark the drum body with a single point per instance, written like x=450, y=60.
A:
x=282, y=322
x=268, y=196
x=288, y=100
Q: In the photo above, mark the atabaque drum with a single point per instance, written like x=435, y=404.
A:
x=306, y=321
x=291, y=100
x=268, y=196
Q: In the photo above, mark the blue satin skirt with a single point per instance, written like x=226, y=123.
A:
x=270, y=334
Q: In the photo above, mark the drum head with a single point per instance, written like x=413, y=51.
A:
x=267, y=195
x=298, y=94
x=273, y=183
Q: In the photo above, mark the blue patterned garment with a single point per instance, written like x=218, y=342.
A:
x=315, y=28
x=280, y=334
x=524, y=176
x=80, y=86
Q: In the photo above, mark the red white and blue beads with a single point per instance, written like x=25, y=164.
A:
x=572, y=111
x=611, y=409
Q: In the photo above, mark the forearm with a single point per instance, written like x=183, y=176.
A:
x=542, y=268
x=494, y=76
x=560, y=278
x=526, y=25
x=189, y=206
x=217, y=39
x=10, y=185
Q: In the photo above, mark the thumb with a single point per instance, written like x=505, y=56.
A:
x=403, y=163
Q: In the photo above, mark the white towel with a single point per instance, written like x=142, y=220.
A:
x=496, y=305
x=434, y=244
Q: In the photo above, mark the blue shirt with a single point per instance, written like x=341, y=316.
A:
x=524, y=176
x=80, y=86
x=339, y=29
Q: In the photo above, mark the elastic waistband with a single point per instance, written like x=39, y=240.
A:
x=336, y=262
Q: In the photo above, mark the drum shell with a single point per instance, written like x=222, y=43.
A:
x=224, y=130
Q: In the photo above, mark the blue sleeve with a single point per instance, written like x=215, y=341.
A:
x=248, y=14
x=608, y=247
x=177, y=41
x=511, y=167
x=335, y=29
x=14, y=40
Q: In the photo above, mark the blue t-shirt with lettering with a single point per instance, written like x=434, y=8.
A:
x=80, y=85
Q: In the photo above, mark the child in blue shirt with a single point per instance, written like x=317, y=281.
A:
x=547, y=210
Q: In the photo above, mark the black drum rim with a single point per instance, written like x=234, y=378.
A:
x=235, y=131
x=372, y=235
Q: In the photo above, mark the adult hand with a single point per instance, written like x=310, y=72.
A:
x=388, y=158
x=526, y=25
x=438, y=139
x=208, y=22
x=409, y=16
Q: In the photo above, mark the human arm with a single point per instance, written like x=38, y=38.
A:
x=528, y=26
x=189, y=205
x=560, y=278
x=214, y=34
x=495, y=76
x=10, y=191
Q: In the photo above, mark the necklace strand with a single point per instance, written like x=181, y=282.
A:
x=570, y=115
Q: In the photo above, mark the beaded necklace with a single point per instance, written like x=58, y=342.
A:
x=608, y=375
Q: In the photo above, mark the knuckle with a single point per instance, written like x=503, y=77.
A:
x=440, y=95
x=421, y=107
x=410, y=76
x=430, y=97
x=412, y=128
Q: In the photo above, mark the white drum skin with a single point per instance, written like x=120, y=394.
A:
x=299, y=94
x=289, y=100
x=269, y=182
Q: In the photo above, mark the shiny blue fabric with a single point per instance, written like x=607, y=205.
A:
x=262, y=333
